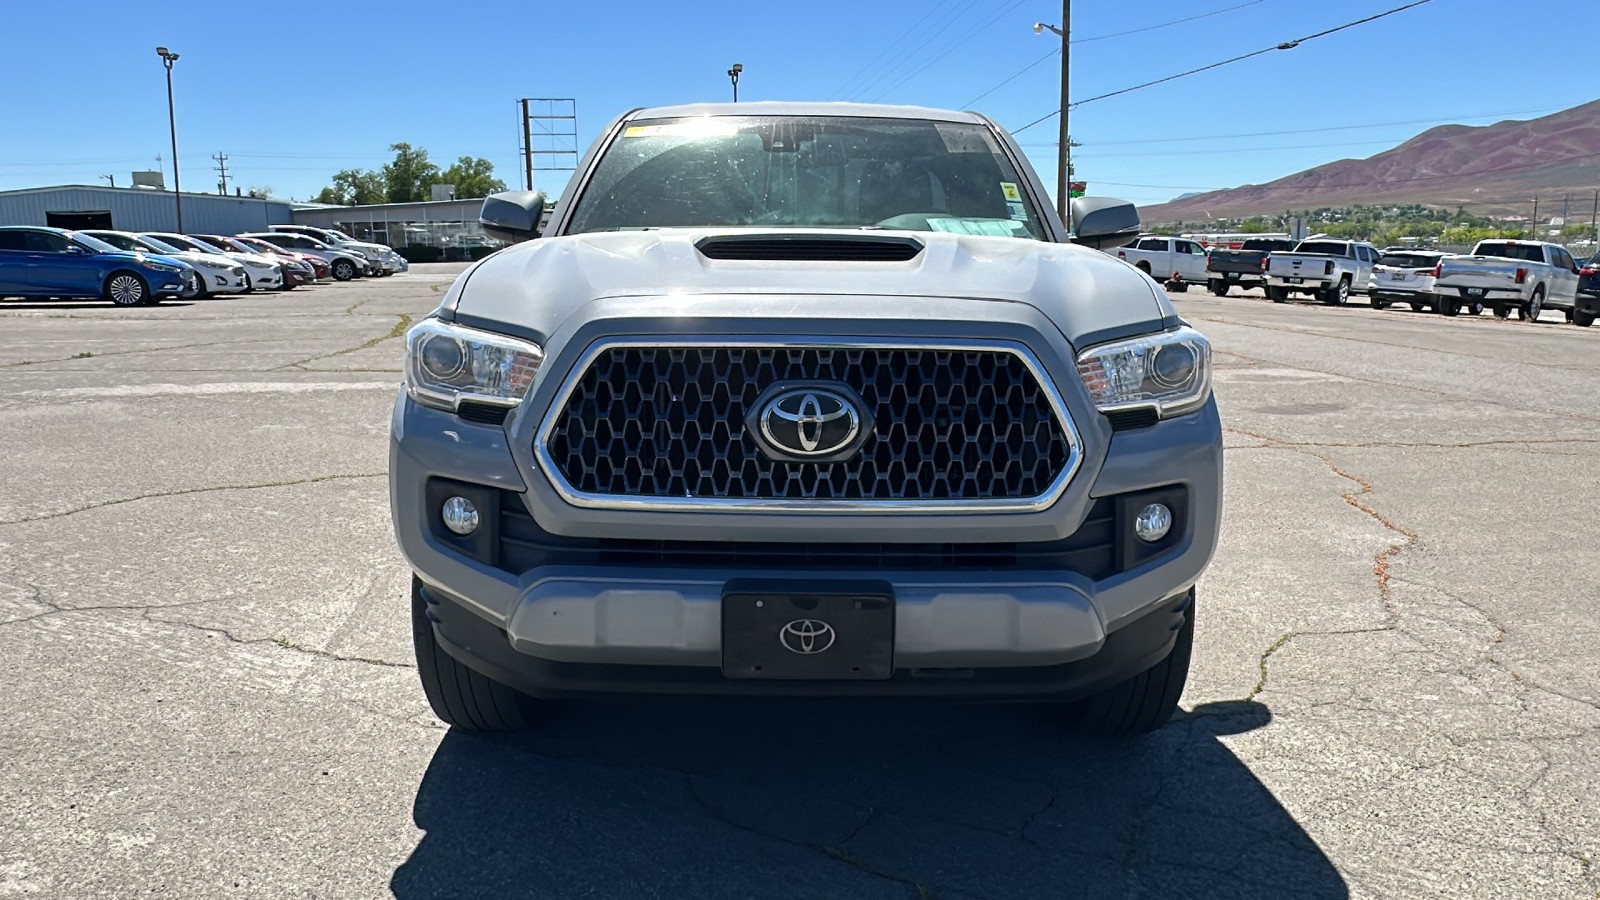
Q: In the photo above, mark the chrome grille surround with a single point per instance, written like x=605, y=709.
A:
x=1066, y=432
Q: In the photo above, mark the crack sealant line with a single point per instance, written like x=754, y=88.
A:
x=402, y=322
x=186, y=491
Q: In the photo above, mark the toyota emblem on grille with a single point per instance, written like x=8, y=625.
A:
x=810, y=422
x=807, y=636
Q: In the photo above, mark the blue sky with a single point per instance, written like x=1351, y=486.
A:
x=293, y=97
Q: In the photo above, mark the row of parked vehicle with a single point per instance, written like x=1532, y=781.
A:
x=138, y=269
x=1503, y=276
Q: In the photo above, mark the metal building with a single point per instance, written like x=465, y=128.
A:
x=130, y=209
x=436, y=223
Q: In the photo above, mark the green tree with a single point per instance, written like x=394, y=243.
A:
x=354, y=187
x=473, y=176
x=409, y=178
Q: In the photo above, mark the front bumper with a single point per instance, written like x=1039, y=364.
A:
x=597, y=625
x=268, y=280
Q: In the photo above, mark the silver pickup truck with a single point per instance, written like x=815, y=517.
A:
x=1329, y=270
x=787, y=399
x=1528, y=276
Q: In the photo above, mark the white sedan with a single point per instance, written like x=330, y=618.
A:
x=259, y=271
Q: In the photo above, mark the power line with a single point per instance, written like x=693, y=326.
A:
x=1092, y=155
x=1447, y=120
x=961, y=40
x=1286, y=45
x=1020, y=72
x=912, y=50
x=904, y=35
x=1105, y=37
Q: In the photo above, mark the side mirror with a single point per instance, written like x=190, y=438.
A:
x=513, y=216
x=1104, y=223
x=77, y=250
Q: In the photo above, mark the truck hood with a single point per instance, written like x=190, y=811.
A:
x=534, y=287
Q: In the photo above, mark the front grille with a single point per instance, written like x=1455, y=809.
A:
x=1091, y=551
x=948, y=425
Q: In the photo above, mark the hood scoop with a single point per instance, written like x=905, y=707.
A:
x=810, y=247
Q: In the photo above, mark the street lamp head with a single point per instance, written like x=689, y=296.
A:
x=1038, y=28
x=162, y=51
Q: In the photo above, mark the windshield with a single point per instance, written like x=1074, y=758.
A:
x=120, y=241
x=93, y=243
x=807, y=172
x=1506, y=250
x=179, y=243
x=257, y=246
x=151, y=243
x=206, y=247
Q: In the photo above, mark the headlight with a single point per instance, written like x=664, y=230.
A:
x=447, y=364
x=160, y=267
x=1169, y=371
x=213, y=264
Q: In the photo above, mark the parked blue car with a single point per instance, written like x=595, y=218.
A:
x=54, y=262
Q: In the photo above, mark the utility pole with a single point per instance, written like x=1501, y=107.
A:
x=1064, y=142
x=1533, y=224
x=1594, y=224
x=222, y=171
x=1064, y=163
x=168, y=58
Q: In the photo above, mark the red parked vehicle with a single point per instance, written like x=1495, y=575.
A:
x=320, y=269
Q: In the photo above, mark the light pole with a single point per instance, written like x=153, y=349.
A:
x=1064, y=151
x=733, y=76
x=168, y=58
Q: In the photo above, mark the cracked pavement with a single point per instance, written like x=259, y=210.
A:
x=203, y=632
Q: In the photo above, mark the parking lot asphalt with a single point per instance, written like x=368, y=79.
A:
x=209, y=683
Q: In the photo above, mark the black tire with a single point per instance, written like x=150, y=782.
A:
x=1582, y=319
x=1220, y=288
x=1379, y=304
x=1338, y=295
x=1475, y=308
x=1178, y=287
x=1278, y=294
x=1530, y=311
x=249, y=285
x=343, y=270
x=1449, y=307
x=126, y=289
x=459, y=696
x=1502, y=311
x=1144, y=702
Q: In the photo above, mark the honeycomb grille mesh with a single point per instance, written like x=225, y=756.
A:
x=668, y=422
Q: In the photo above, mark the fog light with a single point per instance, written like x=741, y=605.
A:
x=1152, y=523
x=461, y=516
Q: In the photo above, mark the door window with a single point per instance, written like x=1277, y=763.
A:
x=46, y=242
x=13, y=240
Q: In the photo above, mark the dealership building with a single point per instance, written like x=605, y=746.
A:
x=448, y=227
x=139, y=209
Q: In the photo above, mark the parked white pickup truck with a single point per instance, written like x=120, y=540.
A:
x=1529, y=275
x=1326, y=269
x=1175, y=262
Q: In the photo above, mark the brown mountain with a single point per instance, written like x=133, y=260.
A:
x=1490, y=169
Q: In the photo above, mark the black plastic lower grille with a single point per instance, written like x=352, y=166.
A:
x=1091, y=551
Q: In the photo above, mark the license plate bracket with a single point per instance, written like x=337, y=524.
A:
x=1295, y=280
x=819, y=633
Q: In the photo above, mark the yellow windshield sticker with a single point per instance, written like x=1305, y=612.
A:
x=1010, y=190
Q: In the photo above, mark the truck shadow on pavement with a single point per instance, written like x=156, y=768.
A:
x=826, y=799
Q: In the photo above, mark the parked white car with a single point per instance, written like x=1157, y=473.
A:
x=218, y=274
x=1328, y=270
x=380, y=258
x=346, y=264
x=1175, y=262
x=257, y=272
x=1407, y=276
x=1530, y=276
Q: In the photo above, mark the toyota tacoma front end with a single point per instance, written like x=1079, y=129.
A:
x=799, y=399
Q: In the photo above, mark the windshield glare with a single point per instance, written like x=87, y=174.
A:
x=807, y=172
x=94, y=243
x=121, y=241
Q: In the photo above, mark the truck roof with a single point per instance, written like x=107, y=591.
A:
x=808, y=108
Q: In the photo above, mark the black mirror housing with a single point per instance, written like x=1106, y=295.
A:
x=513, y=216
x=1104, y=223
